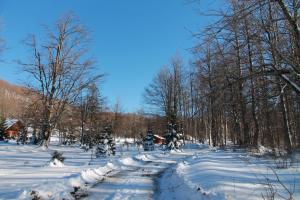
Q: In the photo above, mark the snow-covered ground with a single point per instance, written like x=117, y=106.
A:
x=220, y=174
x=198, y=172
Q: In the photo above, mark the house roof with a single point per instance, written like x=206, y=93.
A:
x=10, y=122
x=157, y=136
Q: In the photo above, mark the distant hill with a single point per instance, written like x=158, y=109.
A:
x=12, y=99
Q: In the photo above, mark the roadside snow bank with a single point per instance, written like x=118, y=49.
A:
x=92, y=176
x=181, y=170
x=143, y=157
x=65, y=189
x=129, y=161
x=217, y=174
x=148, y=157
x=47, y=191
x=174, y=185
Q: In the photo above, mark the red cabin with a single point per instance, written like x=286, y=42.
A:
x=13, y=127
x=159, y=140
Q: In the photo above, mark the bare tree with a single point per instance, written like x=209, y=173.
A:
x=90, y=105
x=165, y=94
x=60, y=68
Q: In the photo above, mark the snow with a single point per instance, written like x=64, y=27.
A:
x=157, y=136
x=9, y=122
x=56, y=163
x=196, y=172
x=129, y=161
x=217, y=174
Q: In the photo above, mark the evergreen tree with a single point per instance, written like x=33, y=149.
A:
x=148, y=141
x=173, y=137
x=34, y=139
x=90, y=107
x=22, y=136
x=2, y=128
x=106, y=144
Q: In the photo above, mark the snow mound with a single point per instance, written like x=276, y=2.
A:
x=151, y=157
x=174, y=151
x=56, y=163
x=48, y=191
x=145, y=157
x=63, y=190
x=181, y=167
x=92, y=176
x=129, y=161
x=142, y=157
x=195, y=188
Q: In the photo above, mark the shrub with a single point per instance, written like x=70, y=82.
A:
x=58, y=156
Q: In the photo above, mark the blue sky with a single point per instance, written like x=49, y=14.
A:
x=132, y=39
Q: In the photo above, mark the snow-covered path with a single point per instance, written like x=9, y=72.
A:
x=137, y=180
x=133, y=183
x=198, y=172
x=130, y=174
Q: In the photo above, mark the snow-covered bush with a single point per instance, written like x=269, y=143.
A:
x=35, y=195
x=58, y=155
x=57, y=159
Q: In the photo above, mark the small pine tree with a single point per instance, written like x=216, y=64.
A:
x=106, y=145
x=148, y=141
x=58, y=156
x=34, y=139
x=173, y=137
x=22, y=136
x=2, y=128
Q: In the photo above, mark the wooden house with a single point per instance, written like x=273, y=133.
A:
x=13, y=127
x=158, y=139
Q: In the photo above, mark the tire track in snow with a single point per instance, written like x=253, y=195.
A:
x=133, y=182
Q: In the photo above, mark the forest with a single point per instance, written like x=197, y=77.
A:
x=221, y=123
x=241, y=87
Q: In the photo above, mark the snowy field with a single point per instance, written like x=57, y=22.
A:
x=198, y=172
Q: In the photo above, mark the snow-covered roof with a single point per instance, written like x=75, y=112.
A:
x=10, y=122
x=157, y=136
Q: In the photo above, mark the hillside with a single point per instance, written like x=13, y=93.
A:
x=12, y=99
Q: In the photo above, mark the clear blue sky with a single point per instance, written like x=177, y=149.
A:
x=132, y=39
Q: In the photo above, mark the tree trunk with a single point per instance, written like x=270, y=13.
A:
x=286, y=125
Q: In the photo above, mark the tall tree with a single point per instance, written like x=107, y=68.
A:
x=91, y=106
x=248, y=70
x=165, y=94
x=60, y=69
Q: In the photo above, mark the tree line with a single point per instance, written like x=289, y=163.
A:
x=241, y=87
x=243, y=84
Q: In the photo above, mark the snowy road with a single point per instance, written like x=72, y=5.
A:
x=138, y=181
x=198, y=172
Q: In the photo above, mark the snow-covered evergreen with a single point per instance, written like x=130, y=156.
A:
x=33, y=138
x=174, y=139
x=106, y=144
x=148, y=141
x=22, y=136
